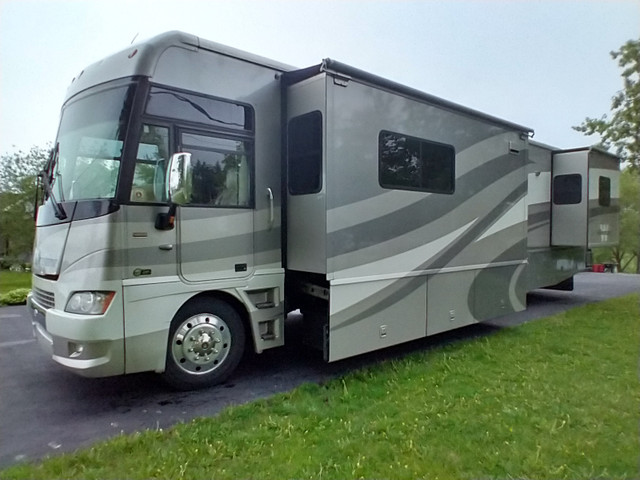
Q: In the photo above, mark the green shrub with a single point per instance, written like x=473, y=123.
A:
x=14, y=297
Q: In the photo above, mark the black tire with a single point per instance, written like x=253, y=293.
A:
x=206, y=343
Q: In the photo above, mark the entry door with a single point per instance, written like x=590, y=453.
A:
x=569, y=197
x=215, y=228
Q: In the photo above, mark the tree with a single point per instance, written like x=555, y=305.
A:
x=626, y=252
x=18, y=180
x=621, y=132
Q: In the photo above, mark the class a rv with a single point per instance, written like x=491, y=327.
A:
x=197, y=193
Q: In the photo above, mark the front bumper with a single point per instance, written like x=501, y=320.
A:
x=38, y=323
x=80, y=343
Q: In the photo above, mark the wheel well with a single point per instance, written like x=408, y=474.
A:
x=236, y=304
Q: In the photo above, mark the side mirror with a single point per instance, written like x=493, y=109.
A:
x=178, y=188
x=178, y=182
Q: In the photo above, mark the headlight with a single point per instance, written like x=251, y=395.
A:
x=89, y=303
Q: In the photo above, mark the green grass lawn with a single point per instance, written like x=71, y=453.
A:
x=555, y=398
x=14, y=280
x=14, y=287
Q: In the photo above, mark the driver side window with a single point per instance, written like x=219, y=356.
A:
x=151, y=164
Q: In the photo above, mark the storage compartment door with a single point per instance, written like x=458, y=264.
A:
x=366, y=316
x=569, y=199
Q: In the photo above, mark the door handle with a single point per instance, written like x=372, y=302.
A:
x=167, y=246
x=271, y=212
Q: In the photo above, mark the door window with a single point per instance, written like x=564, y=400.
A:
x=221, y=173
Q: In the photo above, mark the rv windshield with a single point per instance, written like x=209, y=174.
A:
x=90, y=141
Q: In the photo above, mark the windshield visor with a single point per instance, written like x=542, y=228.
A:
x=90, y=143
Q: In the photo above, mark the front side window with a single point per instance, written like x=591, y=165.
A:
x=151, y=163
x=567, y=189
x=409, y=163
x=221, y=173
x=90, y=143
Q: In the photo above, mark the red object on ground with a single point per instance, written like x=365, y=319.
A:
x=598, y=268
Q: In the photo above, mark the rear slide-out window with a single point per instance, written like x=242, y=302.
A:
x=604, y=191
x=567, y=189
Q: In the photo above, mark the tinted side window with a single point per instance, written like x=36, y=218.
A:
x=305, y=154
x=604, y=191
x=409, y=163
x=567, y=189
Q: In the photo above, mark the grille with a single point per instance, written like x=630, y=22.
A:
x=43, y=298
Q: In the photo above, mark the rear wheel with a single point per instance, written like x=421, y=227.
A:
x=206, y=343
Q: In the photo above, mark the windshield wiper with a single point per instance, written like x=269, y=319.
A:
x=47, y=177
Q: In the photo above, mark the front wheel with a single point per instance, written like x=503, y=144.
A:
x=206, y=343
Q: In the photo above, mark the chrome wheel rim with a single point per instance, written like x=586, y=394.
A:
x=201, y=344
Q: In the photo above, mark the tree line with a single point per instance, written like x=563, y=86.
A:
x=18, y=185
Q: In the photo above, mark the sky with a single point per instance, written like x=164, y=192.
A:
x=542, y=64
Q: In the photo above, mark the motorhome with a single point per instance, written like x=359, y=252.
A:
x=196, y=194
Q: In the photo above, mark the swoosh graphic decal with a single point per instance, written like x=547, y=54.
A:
x=403, y=287
x=418, y=214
